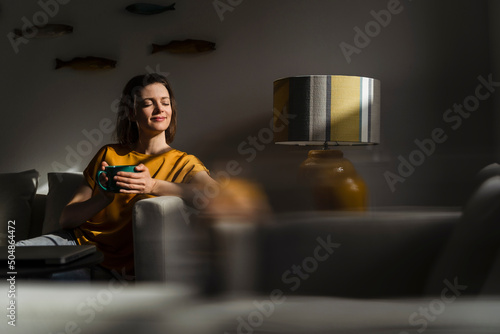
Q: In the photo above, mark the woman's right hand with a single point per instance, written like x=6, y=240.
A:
x=110, y=196
x=85, y=204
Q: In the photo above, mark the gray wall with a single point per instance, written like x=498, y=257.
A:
x=428, y=58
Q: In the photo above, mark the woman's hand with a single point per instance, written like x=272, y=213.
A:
x=104, y=180
x=140, y=182
x=83, y=205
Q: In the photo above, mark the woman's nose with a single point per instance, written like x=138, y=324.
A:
x=159, y=108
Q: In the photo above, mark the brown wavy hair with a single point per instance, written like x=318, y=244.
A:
x=126, y=131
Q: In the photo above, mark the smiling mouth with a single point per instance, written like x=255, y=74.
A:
x=159, y=119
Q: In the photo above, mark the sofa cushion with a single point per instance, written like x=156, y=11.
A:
x=470, y=252
x=487, y=172
x=17, y=191
x=484, y=174
x=62, y=187
x=379, y=254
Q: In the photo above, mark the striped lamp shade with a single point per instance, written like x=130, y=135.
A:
x=338, y=110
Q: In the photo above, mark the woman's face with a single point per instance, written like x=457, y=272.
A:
x=153, y=110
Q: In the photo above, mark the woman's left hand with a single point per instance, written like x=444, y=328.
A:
x=140, y=182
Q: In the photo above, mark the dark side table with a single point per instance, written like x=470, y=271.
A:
x=40, y=270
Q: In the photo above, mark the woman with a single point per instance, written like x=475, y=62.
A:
x=146, y=127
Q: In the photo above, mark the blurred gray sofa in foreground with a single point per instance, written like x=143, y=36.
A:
x=397, y=252
x=117, y=308
x=384, y=271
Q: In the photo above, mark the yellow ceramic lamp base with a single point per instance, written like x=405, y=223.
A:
x=334, y=182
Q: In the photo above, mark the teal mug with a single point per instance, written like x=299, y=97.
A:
x=110, y=172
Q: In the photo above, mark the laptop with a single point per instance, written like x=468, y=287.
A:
x=50, y=255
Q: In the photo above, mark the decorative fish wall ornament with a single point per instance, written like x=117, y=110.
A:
x=185, y=46
x=149, y=8
x=46, y=31
x=87, y=63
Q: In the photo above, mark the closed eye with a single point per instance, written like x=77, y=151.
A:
x=145, y=103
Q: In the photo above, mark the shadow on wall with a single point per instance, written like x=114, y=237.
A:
x=248, y=151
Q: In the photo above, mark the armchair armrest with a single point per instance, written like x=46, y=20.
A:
x=166, y=245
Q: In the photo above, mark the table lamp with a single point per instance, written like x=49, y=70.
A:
x=328, y=110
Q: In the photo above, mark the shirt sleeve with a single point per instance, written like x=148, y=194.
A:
x=195, y=166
